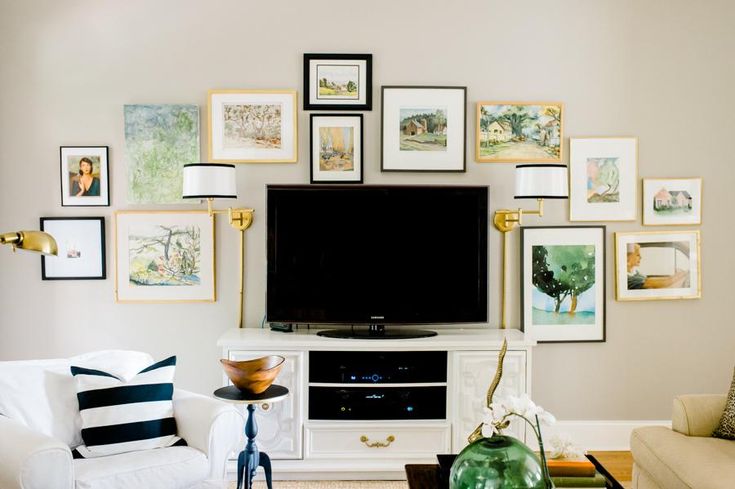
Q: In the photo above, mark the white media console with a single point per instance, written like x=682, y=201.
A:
x=304, y=445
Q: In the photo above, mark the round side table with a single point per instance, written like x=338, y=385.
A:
x=251, y=458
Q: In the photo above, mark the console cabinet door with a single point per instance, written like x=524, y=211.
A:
x=473, y=373
x=279, y=423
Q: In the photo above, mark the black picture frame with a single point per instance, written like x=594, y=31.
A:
x=314, y=158
x=91, y=253
x=392, y=161
x=599, y=333
x=67, y=153
x=363, y=65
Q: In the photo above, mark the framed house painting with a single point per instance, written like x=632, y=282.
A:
x=603, y=176
x=81, y=245
x=672, y=201
x=657, y=265
x=563, y=283
x=338, y=81
x=159, y=141
x=85, y=176
x=164, y=256
x=423, y=129
x=336, y=148
x=519, y=132
x=252, y=126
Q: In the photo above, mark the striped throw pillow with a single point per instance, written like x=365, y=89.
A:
x=126, y=415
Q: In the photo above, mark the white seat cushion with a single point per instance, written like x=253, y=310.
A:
x=161, y=468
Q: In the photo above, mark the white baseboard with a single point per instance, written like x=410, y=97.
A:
x=610, y=435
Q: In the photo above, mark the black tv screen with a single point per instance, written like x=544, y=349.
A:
x=369, y=255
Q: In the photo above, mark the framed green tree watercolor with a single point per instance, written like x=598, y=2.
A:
x=563, y=283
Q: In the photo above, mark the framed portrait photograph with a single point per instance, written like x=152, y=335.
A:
x=164, y=256
x=563, y=283
x=81, y=245
x=672, y=201
x=85, y=176
x=336, y=148
x=423, y=129
x=657, y=265
x=338, y=81
x=603, y=178
x=252, y=126
x=519, y=132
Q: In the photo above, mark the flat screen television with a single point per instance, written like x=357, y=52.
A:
x=371, y=256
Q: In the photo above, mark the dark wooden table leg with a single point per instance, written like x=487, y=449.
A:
x=251, y=455
x=240, y=467
x=265, y=462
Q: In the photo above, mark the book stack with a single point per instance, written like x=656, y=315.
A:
x=579, y=473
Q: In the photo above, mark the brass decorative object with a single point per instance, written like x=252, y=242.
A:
x=37, y=241
x=253, y=376
x=477, y=434
x=378, y=444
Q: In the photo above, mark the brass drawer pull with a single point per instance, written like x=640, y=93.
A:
x=378, y=444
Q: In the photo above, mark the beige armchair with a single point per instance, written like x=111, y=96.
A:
x=686, y=456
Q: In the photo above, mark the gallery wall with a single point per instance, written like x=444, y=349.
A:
x=660, y=70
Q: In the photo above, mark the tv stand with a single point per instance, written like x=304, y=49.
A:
x=377, y=332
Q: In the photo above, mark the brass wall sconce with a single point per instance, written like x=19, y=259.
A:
x=534, y=181
x=218, y=181
x=37, y=241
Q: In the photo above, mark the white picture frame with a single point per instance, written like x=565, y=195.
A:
x=81, y=248
x=603, y=179
x=73, y=193
x=672, y=201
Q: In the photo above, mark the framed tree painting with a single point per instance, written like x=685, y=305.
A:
x=336, y=148
x=423, y=129
x=252, y=126
x=603, y=178
x=81, y=248
x=563, y=283
x=338, y=81
x=672, y=201
x=164, y=256
x=85, y=176
x=519, y=132
x=657, y=265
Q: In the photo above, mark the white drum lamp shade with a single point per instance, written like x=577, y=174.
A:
x=209, y=181
x=541, y=181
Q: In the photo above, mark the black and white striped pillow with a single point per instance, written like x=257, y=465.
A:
x=126, y=415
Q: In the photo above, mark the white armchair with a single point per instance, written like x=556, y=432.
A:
x=40, y=423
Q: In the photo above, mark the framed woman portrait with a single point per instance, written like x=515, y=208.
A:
x=81, y=248
x=85, y=180
x=657, y=265
x=336, y=148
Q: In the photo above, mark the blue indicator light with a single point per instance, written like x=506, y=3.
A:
x=409, y=409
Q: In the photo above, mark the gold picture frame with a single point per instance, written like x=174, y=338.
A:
x=234, y=139
x=658, y=265
x=674, y=212
x=164, y=257
x=503, y=133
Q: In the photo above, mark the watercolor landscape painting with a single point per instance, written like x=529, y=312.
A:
x=603, y=180
x=518, y=132
x=563, y=277
x=338, y=81
x=337, y=148
x=252, y=126
x=162, y=256
x=423, y=129
x=159, y=140
x=672, y=201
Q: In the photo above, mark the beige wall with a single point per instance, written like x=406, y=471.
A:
x=661, y=70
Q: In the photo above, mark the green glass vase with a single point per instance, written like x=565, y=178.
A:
x=500, y=462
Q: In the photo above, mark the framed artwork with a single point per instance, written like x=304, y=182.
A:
x=519, y=132
x=85, y=176
x=164, y=256
x=657, y=265
x=159, y=141
x=336, y=148
x=563, y=283
x=603, y=177
x=81, y=244
x=423, y=129
x=252, y=126
x=672, y=201
x=338, y=81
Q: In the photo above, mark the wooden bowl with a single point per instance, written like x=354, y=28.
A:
x=253, y=376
